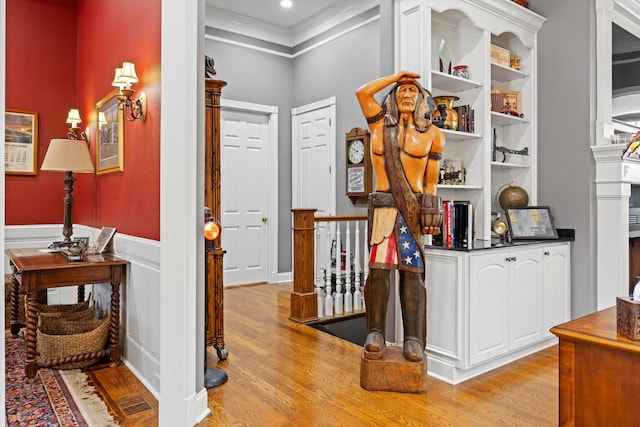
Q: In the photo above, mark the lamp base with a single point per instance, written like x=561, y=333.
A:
x=214, y=377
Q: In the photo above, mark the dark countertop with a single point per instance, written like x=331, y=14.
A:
x=565, y=235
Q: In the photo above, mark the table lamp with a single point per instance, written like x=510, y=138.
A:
x=68, y=156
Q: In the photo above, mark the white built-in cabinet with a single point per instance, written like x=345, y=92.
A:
x=489, y=307
x=469, y=28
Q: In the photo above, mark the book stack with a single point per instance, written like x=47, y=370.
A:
x=458, y=225
x=466, y=122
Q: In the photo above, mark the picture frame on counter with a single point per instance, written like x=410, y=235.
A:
x=531, y=223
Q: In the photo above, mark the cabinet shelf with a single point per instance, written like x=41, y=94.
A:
x=450, y=83
x=459, y=187
x=454, y=135
x=508, y=165
x=504, y=74
x=506, y=119
x=469, y=27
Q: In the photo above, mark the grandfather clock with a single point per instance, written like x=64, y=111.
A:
x=215, y=296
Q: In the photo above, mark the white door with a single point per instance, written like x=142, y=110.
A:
x=246, y=190
x=313, y=157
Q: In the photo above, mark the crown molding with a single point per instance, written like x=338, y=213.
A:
x=247, y=26
x=306, y=30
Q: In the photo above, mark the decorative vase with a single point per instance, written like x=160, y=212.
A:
x=461, y=71
x=451, y=115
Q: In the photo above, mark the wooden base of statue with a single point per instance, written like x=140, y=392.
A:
x=393, y=373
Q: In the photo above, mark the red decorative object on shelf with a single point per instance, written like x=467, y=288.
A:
x=523, y=3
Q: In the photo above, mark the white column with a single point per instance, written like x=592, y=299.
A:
x=183, y=398
x=613, y=188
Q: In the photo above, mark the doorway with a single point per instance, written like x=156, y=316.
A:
x=314, y=156
x=249, y=187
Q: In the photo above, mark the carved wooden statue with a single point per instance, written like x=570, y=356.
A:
x=405, y=154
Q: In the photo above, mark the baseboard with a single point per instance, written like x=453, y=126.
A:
x=446, y=371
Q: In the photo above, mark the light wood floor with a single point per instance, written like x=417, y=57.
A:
x=285, y=374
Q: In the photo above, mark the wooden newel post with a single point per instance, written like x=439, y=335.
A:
x=304, y=303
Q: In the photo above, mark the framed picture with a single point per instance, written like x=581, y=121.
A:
x=531, y=222
x=21, y=142
x=110, y=130
x=506, y=101
x=103, y=239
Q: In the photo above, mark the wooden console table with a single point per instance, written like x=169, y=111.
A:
x=599, y=384
x=37, y=271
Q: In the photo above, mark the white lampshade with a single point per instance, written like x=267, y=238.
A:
x=117, y=82
x=128, y=73
x=73, y=117
x=68, y=155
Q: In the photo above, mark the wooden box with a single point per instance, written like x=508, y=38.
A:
x=500, y=56
x=628, y=318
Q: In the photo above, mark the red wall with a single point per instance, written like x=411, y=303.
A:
x=87, y=39
x=41, y=77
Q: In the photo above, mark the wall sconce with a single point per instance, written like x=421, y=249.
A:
x=73, y=118
x=123, y=79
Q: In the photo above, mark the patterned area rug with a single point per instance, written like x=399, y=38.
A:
x=55, y=398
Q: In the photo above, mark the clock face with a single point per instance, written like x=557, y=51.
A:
x=356, y=151
x=500, y=227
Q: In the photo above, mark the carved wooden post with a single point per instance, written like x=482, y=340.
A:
x=304, y=304
x=215, y=322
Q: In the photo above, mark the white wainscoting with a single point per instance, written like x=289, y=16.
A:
x=140, y=297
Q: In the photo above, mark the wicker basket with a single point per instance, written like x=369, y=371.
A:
x=60, y=338
x=81, y=311
x=64, y=308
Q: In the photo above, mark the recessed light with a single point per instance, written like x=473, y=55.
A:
x=286, y=3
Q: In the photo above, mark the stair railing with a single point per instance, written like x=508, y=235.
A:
x=330, y=265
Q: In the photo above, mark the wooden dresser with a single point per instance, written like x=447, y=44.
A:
x=215, y=296
x=599, y=382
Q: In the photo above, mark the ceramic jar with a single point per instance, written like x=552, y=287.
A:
x=461, y=71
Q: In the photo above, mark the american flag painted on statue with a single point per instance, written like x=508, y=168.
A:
x=386, y=252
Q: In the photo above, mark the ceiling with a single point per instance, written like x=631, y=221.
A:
x=270, y=10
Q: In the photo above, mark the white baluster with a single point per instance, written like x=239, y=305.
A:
x=365, y=246
x=338, y=296
x=319, y=279
x=357, y=294
x=348, y=296
x=328, y=301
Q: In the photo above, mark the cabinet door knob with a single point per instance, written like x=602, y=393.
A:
x=547, y=253
x=264, y=219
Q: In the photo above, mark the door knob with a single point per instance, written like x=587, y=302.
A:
x=264, y=219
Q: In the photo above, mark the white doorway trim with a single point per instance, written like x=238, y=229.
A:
x=272, y=113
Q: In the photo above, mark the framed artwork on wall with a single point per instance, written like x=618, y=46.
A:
x=110, y=131
x=21, y=142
